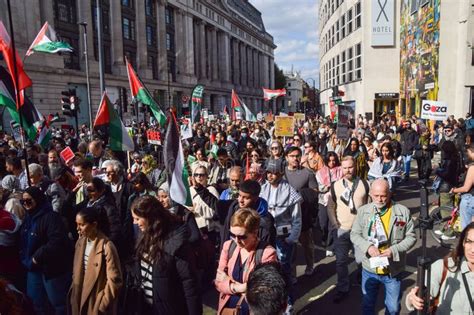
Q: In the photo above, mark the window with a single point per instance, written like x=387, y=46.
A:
x=358, y=61
x=65, y=11
x=413, y=6
x=128, y=27
x=169, y=16
x=349, y=21
x=337, y=31
x=152, y=66
x=343, y=26
x=289, y=84
x=289, y=93
x=127, y=3
x=150, y=7
x=357, y=15
x=150, y=35
x=169, y=42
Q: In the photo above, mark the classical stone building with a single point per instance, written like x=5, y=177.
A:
x=173, y=45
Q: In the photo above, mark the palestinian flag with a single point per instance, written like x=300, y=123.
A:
x=107, y=116
x=249, y=116
x=141, y=94
x=30, y=115
x=7, y=50
x=175, y=165
x=235, y=104
x=271, y=94
x=46, y=41
x=44, y=134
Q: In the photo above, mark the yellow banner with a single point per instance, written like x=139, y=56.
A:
x=284, y=126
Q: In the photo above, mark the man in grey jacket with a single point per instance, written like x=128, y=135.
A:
x=383, y=230
x=284, y=203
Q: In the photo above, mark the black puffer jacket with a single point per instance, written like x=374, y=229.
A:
x=448, y=172
x=408, y=139
x=175, y=286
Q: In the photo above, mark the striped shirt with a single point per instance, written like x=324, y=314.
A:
x=87, y=253
x=146, y=271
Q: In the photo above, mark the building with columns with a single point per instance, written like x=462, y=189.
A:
x=173, y=45
x=294, y=91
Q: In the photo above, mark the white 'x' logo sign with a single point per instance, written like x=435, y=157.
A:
x=382, y=10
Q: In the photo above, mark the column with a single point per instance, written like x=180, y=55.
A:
x=255, y=70
x=261, y=70
x=209, y=51
x=47, y=12
x=272, y=73
x=213, y=53
x=142, y=51
x=202, y=50
x=243, y=64
x=189, y=44
x=179, y=42
x=161, y=42
x=115, y=33
x=266, y=77
x=224, y=56
x=236, y=61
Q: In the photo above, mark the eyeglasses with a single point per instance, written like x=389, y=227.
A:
x=27, y=202
x=296, y=139
x=200, y=175
x=294, y=156
x=238, y=237
x=447, y=131
x=307, y=146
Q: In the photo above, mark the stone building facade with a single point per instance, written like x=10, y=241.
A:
x=173, y=45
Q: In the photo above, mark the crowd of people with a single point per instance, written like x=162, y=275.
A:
x=100, y=234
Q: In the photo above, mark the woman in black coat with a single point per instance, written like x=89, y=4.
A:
x=448, y=172
x=164, y=265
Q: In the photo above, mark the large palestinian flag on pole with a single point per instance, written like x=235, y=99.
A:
x=31, y=116
x=196, y=102
x=107, y=116
x=7, y=50
x=239, y=106
x=141, y=94
x=46, y=41
x=175, y=164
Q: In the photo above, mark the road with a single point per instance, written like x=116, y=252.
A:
x=315, y=294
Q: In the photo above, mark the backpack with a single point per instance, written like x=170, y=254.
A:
x=258, y=255
x=364, y=182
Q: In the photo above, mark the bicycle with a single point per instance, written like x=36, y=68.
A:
x=446, y=224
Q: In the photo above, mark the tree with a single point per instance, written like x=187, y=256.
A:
x=280, y=79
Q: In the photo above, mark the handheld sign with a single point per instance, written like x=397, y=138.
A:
x=67, y=155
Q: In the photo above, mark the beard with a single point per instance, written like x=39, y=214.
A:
x=380, y=205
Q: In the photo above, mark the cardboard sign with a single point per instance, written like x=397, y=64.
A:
x=299, y=117
x=284, y=126
x=67, y=155
x=153, y=136
x=186, y=130
x=434, y=110
x=344, y=114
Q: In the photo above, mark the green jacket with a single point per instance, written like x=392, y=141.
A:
x=401, y=237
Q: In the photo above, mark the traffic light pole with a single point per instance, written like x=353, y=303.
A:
x=89, y=101
x=99, y=46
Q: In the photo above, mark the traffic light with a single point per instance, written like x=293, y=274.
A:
x=69, y=103
x=336, y=92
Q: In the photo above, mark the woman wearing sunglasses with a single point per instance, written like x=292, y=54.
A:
x=97, y=277
x=45, y=252
x=238, y=258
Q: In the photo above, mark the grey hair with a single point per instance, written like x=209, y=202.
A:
x=35, y=169
x=116, y=166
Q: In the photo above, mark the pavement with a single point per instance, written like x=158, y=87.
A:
x=314, y=294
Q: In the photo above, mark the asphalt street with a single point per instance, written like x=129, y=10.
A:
x=314, y=294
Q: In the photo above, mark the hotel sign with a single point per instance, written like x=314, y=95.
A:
x=383, y=23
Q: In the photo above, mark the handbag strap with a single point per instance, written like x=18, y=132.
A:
x=468, y=291
x=239, y=303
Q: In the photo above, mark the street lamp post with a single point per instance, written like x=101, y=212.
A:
x=314, y=93
x=88, y=82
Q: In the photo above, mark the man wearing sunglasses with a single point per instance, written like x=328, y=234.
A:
x=449, y=134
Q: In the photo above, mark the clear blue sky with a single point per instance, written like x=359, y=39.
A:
x=293, y=24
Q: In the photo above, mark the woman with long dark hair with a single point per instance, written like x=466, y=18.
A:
x=359, y=154
x=97, y=277
x=386, y=166
x=452, y=279
x=164, y=261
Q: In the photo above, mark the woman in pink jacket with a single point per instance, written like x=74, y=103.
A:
x=238, y=258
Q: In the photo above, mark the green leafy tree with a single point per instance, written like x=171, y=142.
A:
x=280, y=79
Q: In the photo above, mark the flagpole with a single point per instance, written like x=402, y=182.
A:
x=88, y=81
x=17, y=92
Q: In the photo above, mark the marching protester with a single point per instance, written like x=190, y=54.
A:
x=164, y=262
x=383, y=231
x=452, y=280
x=238, y=258
x=97, y=277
